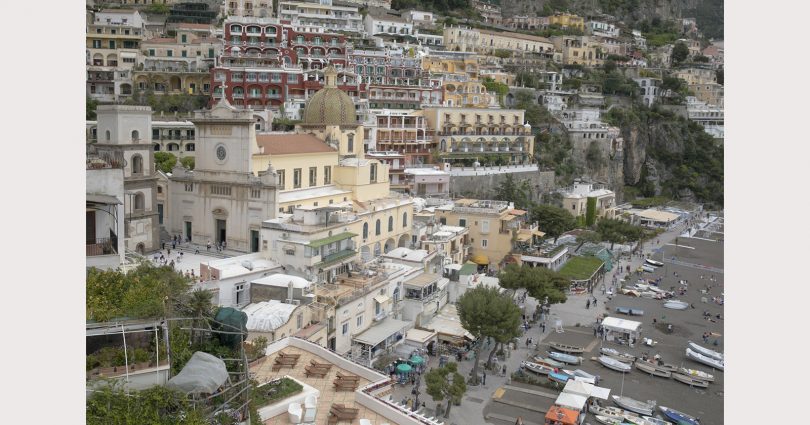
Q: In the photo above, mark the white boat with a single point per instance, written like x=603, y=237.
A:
x=676, y=305
x=635, y=405
x=706, y=352
x=611, y=363
x=608, y=420
x=610, y=411
x=648, y=368
x=688, y=380
x=624, y=357
x=654, y=263
x=536, y=368
x=579, y=373
x=565, y=348
x=698, y=374
x=648, y=420
x=545, y=361
x=565, y=358
x=700, y=358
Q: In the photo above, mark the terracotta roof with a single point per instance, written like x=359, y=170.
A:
x=286, y=144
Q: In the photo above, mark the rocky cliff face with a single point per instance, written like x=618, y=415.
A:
x=624, y=10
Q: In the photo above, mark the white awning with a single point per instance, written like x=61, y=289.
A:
x=128, y=54
x=585, y=389
x=419, y=335
x=574, y=401
x=382, y=299
x=379, y=333
x=621, y=325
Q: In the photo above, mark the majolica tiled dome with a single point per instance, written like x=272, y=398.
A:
x=330, y=105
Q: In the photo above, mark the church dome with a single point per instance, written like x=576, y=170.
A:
x=330, y=105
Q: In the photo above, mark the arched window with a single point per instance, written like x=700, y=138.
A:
x=137, y=164
x=377, y=229
x=156, y=147
x=365, y=230
x=350, y=139
x=135, y=137
x=391, y=223
x=404, y=219
x=139, y=201
x=107, y=135
x=189, y=147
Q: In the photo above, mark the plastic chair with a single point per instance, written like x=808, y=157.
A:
x=294, y=413
x=310, y=408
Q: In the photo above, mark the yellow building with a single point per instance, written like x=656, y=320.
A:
x=579, y=50
x=492, y=225
x=467, y=133
x=467, y=67
x=566, y=20
x=483, y=41
x=711, y=93
x=694, y=75
x=470, y=94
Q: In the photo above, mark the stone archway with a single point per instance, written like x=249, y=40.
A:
x=389, y=245
x=404, y=241
x=140, y=248
x=377, y=250
x=365, y=254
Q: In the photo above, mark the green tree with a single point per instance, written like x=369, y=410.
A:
x=701, y=59
x=198, y=305
x=188, y=162
x=90, y=108
x=554, y=221
x=590, y=211
x=158, y=8
x=539, y=282
x=502, y=53
x=485, y=312
x=158, y=405
x=165, y=161
x=497, y=88
x=518, y=192
x=618, y=231
x=594, y=157
x=446, y=383
x=679, y=52
x=609, y=66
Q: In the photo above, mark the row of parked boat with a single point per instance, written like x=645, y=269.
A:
x=634, y=412
x=623, y=362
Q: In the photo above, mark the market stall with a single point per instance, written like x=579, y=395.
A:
x=621, y=330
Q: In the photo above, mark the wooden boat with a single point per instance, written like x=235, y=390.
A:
x=634, y=405
x=565, y=358
x=545, y=361
x=676, y=305
x=611, y=363
x=559, y=377
x=610, y=411
x=698, y=374
x=607, y=420
x=629, y=311
x=700, y=358
x=706, y=352
x=659, y=365
x=648, y=368
x=647, y=420
x=679, y=417
x=571, y=349
x=692, y=382
x=622, y=357
x=537, y=368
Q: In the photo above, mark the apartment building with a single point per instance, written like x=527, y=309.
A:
x=407, y=133
x=602, y=28
x=524, y=22
x=249, y=8
x=113, y=43
x=484, y=41
x=650, y=89
x=489, y=11
x=380, y=21
x=711, y=93
x=395, y=80
x=428, y=181
x=709, y=116
x=579, y=50
x=575, y=200
x=323, y=14
x=567, y=20
x=469, y=132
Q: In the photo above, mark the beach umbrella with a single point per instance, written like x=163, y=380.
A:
x=403, y=368
x=417, y=360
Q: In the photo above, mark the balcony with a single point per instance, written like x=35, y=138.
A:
x=238, y=95
x=335, y=257
x=102, y=246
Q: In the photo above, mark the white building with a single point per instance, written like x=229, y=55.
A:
x=650, y=89
x=104, y=212
x=380, y=22
x=709, y=116
x=575, y=200
x=428, y=181
x=602, y=28
x=419, y=18
x=323, y=14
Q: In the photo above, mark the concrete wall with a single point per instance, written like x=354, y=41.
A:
x=483, y=187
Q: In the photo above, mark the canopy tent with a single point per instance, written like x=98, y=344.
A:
x=480, y=259
x=585, y=389
x=621, y=329
x=420, y=336
x=203, y=374
x=267, y=316
x=561, y=415
x=574, y=401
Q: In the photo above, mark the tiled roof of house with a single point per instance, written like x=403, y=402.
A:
x=286, y=144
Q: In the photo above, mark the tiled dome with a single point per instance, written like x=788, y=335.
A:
x=330, y=105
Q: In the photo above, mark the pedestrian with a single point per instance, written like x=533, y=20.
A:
x=171, y=264
x=519, y=421
x=594, y=302
x=588, y=304
x=168, y=252
x=163, y=245
x=196, y=250
x=528, y=341
x=595, y=331
x=504, y=370
x=174, y=245
x=484, y=380
x=544, y=327
x=208, y=246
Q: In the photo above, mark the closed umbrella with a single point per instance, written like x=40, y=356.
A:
x=403, y=368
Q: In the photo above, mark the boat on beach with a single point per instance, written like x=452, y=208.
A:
x=688, y=380
x=676, y=305
x=545, y=361
x=610, y=411
x=579, y=373
x=648, y=368
x=611, y=363
x=706, y=352
x=565, y=358
x=559, y=377
x=571, y=349
x=658, y=365
x=698, y=374
x=644, y=408
x=622, y=357
x=679, y=417
x=537, y=368
x=609, y=420
x=700, y=358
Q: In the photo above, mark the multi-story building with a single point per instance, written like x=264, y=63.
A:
x=602, y=28
x=579, y=50
x=469, y=132
x=123, y=133
x=396, y=167
x=104, y=242
x=491, y=225
x=709, y=116
x=468, y=94
x=524, y=22
x=711, y=93
x=407, y=133
x=113, y=47
x=489, y=11
x=585, y=124
x=451, y=67
x=322, y=14
x=484, y=41
x=639, y=40
x=192, y=12
x=249, y=8
x=451, y=243
x=173, y=135
x=692, y=45
x=695, y=75
x=179, y=64
x=427, y=181
x=429, y=40
x=395, y=81
x=575, y=200
x=420, y=18
x=566, y=20
x=610, y=45
x=380, y=21
x=266, y=63
x=650, y=89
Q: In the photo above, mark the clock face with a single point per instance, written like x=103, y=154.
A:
x=221, y=153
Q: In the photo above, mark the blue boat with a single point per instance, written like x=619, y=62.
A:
x=559, y=377
x=679, y=418
x=565, y=358
x=630, y=311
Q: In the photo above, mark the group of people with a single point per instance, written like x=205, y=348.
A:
x=219, y=247
x=591, y=300
x=167, y=260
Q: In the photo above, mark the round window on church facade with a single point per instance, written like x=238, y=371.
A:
x=221, y=153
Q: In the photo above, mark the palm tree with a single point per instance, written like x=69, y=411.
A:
x=200, y=307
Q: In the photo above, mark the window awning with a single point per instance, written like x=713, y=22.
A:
x=379, y=333
x=480, y=259
x=523, y=237
x=103, y=199
x=382, y=299
x=326, y=241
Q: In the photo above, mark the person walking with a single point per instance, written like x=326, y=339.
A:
x=504, y=370
x=208, y=246
x=543, y=325
x=587, y=304
x=484, y=378
x=594, y=302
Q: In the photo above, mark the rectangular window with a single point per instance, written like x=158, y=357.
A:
x=373, y=174
x=183, y=38
x=327, y=175
x=189, y=187
x=221, y=190
x=345, y=328
x=483, y=243
x=299, y=320
x=151, y=52
x=210, y=53
x=292, y=78
x=255, y=193
x=296, y=178
x=484, y=226
x=112, y=44
x=359, y=321
x=169, y=52
x=96, y=44
x=155, y=134
x=128, y=60
x=184, y=53
x=462, y=222
x=313, y=176
x=281, y=179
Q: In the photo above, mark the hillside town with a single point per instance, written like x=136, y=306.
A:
x=404, y=212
